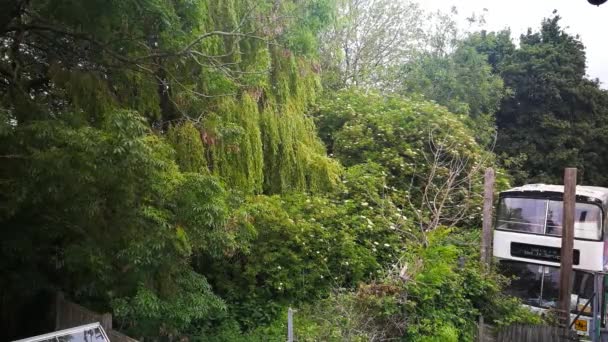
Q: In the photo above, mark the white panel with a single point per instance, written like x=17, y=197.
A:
x=591, y=257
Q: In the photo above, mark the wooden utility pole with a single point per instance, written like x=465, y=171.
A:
x=565, y=280
x=488, y=200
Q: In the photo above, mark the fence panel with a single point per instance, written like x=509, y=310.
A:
x=69, y=315
x=535, y=333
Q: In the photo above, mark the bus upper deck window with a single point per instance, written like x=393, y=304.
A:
x=541, y=216
x=587, y=224
x=522, y=214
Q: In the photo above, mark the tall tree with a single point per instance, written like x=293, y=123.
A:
x=367, y=37
x=463, y=81
x=555, y=115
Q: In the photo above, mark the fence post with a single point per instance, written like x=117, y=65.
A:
x=58, y=307
x=565, y=281
x=106, y=321
x=480, y=330
x=486, y=237
x=289, y=325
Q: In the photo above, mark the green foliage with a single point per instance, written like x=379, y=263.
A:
x=146, y=312
x=404, y=137
x=308, y=20
x=495, y=45
x=161, y=160
x=462, y=81
x=216, y=63
x=449, y=291
x=303, y=246
x=123, y=123
x=366, y=39
x=113, y=220
x=438, y=298
x=190, y=152
x=555, y=116
x=230, y=331
x=235, y=144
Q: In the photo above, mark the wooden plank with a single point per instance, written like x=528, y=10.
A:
x=488, y=200
x=565, y=281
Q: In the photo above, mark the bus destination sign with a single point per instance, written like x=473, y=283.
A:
x=545, y=253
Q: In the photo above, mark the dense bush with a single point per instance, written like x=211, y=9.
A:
x=435, y=293
x=304, y=245
x=432, y=163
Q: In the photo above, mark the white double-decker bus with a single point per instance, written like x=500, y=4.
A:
x=527, y=242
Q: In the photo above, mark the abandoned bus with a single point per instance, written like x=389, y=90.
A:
x=527, y=242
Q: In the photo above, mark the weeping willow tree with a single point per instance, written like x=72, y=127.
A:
x=253, y=127
x=262, y=141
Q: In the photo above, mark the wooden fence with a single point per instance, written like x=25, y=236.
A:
x=534, y=333
x=69, y=315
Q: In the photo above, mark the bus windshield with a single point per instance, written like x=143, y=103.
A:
x=542, y=216
x=538, y=285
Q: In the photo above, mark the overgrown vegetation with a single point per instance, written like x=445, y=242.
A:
x=197, y=167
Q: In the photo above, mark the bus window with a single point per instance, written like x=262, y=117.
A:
x=522, y=214
x=538, y=285
x=540, y=216
x=582, y=290
x=582, y=287
x=526, y=281
x=588, y=220
x=550, y=298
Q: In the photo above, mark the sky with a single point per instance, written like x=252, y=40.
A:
x=578, y=17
